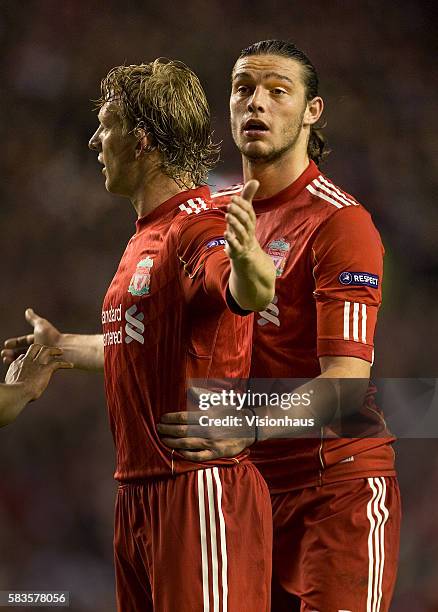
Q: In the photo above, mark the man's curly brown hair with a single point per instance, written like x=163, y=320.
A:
x=166, y=100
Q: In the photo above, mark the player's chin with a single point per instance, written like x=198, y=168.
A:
x=256, y=150
x=113, y=186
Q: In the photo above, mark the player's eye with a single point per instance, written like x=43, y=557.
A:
x=277, y=91
x=242, y=89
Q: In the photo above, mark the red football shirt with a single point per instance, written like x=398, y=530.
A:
x=329, y=260
x=165, y=320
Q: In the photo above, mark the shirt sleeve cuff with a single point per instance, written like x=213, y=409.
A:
x=345, y=348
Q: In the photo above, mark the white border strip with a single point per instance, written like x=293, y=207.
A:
x=370, y=605
x=378, y=552
x=203, y=531
x=338, y=191
x=378, y=515
x=356, y=321
x=331, y=192
x=346, y=320
x=382, y=540
x=319, y=194
x=364, y=323
x=223, y=541
x=213, y=540
x=224, y=193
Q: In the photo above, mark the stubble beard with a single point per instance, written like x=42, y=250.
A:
x=275, y=153
x=270, y=156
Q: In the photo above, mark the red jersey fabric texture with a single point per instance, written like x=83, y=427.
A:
x=329, y=260
x=165, y=320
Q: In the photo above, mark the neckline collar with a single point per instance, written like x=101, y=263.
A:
x=262, y=205
x=171, y=203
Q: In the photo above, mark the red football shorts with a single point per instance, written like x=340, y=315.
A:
x=336, y=547
x=198, y=542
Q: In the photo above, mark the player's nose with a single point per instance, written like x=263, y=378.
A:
x=256, y=101
x=94, y=142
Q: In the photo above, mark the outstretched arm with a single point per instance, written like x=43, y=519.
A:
x=84, y=351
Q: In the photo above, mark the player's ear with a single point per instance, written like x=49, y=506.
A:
x=144, y=142
x=313, y=111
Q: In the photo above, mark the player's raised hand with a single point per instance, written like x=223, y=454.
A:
x=252, y=277
x=44, y=333
x=35, y=369
x=241, y=223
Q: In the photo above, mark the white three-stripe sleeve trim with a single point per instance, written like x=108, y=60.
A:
x=338, y=191
x=324, y=196
x=213, y=541
x=346, y=320
x=223, y=541
x=356, y=322
x=359, y=320
x=203, y=533
x=331, y=192
x=364, y=323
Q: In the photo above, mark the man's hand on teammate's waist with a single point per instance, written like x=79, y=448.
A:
x=184, y=432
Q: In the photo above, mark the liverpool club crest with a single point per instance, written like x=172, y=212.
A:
x=278, y=250
x=141, y=279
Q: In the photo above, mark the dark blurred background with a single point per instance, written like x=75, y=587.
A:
x=62, y=236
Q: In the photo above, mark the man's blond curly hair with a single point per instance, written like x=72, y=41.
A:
x=166, y=100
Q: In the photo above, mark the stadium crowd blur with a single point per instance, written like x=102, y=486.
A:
x=62, y=235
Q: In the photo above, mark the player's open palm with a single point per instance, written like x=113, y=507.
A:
x=241, y=223
x=35, y=369
x=44, y=333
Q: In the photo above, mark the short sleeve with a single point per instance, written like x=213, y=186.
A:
x=205, y=267
x=348, y=270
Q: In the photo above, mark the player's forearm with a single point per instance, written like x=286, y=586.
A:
x=13, y=398
x=328, y=399
x=84, y=351
x=252, y=280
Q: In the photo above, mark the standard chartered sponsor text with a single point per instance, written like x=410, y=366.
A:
x=112, y=315
x=112, y=337
x=134, y=326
